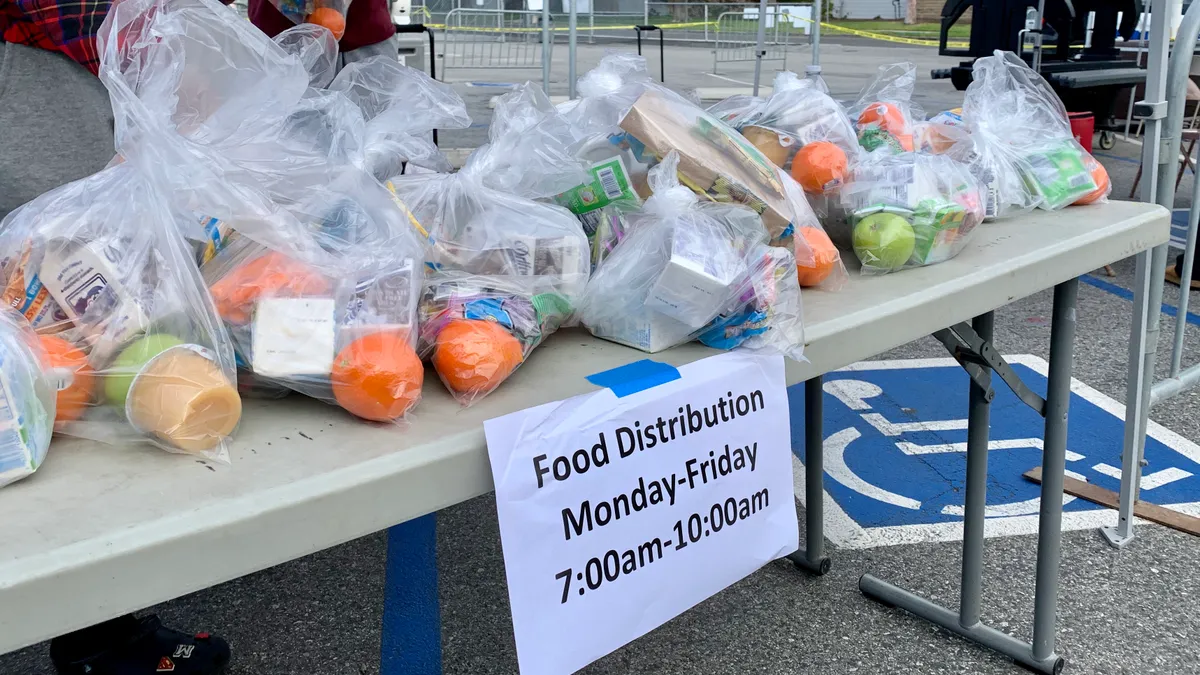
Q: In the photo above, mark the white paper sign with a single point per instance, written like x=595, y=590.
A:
x=619, y=513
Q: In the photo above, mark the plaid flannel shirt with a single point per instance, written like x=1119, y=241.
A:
x=67, y=26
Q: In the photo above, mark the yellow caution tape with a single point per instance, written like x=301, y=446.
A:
x=700, y=24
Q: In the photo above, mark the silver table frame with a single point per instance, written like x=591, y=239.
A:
x=971, y=346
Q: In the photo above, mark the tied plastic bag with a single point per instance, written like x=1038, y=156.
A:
x=401, y=106
x=884, y=112
x=101, y=269
x=695, y=270
x=803, y=130
x=721, y=165
x=504, y=271
x=329, y=14
x=318, y=275
x=617, y=177
x=1023, y=138
x=910, y=210
x=27, y=398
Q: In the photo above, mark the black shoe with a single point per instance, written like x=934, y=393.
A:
x=129, y=646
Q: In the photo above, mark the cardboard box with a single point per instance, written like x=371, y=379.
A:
x=717, y=162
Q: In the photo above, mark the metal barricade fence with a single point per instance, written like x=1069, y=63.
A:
x=492, y=38
x=737, y=37
x=1159, y=161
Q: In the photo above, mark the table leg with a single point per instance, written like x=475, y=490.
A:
x=411, y=640
x=1054, y=448
x=979, y=415
x=813, y=558
x=1038, y=656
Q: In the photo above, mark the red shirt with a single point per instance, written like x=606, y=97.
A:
x=367, y=22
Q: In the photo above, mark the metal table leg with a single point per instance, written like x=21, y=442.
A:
x=1039, y=655
x=813, y=558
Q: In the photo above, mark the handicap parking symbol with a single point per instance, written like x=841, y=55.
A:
x=895, y=453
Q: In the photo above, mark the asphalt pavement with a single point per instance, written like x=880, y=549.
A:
x=1129, y=611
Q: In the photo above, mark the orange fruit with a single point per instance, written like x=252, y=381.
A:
x=886, y=116
x=813, y=269
x=74, y=376
x=268, y=275
x=474, y=357
x=819, y=166
x=377, y=377
x=1100, y=177
x=330, y=18
x=890, y=118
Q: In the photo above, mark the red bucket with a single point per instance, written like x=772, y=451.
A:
x=1083, y=127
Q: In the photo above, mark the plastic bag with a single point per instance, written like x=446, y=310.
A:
x=102, y=269
x=720, y=164
x=330, y=14
x=27, y=398
x=802, y=129
x=504, y=271
x=316, y=48
x=401, y=106
x=320, y=270
x=910, y=210
x=884, y=112
x=617, y=177
x=695, y=270
x=1023, y=139
x=729, y=109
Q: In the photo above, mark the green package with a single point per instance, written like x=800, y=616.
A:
x=610, y=183
x=1059, y=174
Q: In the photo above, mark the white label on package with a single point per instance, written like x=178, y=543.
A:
x=620, y=512
x=85, y=279
x=293, y=336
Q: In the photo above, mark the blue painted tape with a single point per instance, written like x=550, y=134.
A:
x=634, y=377
x=1125, y=293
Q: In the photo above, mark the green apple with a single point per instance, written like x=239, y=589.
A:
x=118, y=377
x=884, y=241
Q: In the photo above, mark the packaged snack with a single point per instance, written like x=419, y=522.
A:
x=910, y=210
x=695, y=270
x=138, y=351
x=27, y=400
x=318, y=282
x=884, y=112
x=720, y=164
x=503, y=271
x=1023, y=141
x=617, y=176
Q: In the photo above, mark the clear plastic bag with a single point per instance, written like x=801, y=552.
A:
x=729, y=109
x=27, y=398
x=910, y=210
x=330, y=14
x=720, y=164
x=402, y=106
x=319, y=268
x=103, y=272
x=1023, y=139
x=316, y=48
x=884, y=112
x=617, y=177
x=803, y=130
x=695, y=270
x=505, y=271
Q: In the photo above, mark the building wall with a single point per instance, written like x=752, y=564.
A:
x=869, y=9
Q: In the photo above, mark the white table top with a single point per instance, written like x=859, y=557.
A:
x=101, y=530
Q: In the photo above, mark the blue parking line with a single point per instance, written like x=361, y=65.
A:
x=1127, y=294
x=1106, y=155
